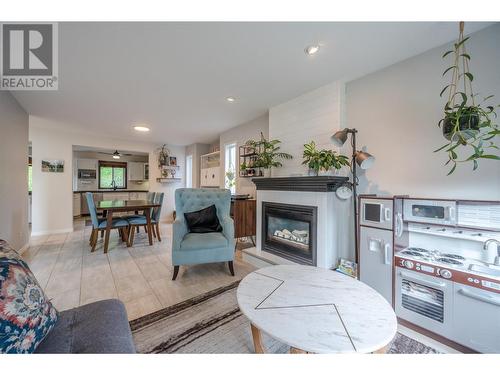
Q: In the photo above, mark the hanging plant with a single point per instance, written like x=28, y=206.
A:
x=466, y=125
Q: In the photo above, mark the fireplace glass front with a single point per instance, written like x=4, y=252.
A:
x=289, y=231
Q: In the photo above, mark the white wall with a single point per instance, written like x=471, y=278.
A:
x=52, y=192
x=196, y=150
x=396, y=111
x=313, y=116
x=239, y=135
x=13, y=172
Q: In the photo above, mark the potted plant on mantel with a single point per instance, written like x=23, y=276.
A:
x=322, y=161
x=268, y=154
x=466, y=125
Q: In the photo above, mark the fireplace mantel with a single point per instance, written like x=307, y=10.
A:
x=303, y=183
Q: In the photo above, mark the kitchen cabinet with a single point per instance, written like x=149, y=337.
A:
x=137, y=171
x=476, y=318
x=77, y=205
x=210, y=177
x=210, y=170
x=244, y=213
x=86, y=164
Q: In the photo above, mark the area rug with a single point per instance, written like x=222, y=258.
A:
x=213, y=323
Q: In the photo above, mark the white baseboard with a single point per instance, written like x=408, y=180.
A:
x=47, y=232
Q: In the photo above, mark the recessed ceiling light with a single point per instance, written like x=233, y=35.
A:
x=141, y=128
x=311, y=50
x=231, y=99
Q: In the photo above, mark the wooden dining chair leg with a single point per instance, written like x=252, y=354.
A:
x=137, y=228
x=153, y=230
x=125, y=235
x=102, y=234
x=94, y=242
x=131, y=237
x=158, y=231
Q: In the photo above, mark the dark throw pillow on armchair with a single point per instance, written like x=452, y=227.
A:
x=203, y=221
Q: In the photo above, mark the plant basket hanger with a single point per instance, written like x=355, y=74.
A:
x=467, y=125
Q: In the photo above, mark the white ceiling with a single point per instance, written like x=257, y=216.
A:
x=175, y=76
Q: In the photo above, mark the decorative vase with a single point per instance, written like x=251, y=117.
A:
x=267, y=172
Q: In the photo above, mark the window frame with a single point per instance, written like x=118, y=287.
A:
x=113, y=165
x=227, y=160
x=189, y=171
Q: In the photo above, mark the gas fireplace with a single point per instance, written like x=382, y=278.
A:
x=289, y=231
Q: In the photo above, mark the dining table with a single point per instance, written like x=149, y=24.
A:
x=109, y=207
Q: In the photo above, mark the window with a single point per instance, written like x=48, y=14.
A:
x=230, y=167
x=112, y=175
x=189, y=171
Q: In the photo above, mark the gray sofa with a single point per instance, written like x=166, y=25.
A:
x=99, y=327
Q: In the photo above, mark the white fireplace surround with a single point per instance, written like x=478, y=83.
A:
x=333, y=229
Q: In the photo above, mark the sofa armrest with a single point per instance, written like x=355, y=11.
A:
x=179, y=230
x=228, y=228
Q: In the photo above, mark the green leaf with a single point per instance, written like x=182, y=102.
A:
x=443, y=90
x=453, y=155
x=461, y=42
x=448, y=69
x=488, y=97
x=447, y=53
x=494, y=157
x=452, y=169
x=465, y=55
x=470, y=76
x=474, y=165
x=442, y=147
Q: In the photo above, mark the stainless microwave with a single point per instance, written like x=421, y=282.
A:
x=430, y=211
x=87, y=174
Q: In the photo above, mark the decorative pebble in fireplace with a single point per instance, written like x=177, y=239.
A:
x=289, y=231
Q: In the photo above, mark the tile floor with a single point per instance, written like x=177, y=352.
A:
x=140, y=276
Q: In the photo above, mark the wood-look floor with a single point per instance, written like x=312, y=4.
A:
x=140, y=276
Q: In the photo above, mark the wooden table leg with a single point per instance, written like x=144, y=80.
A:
x=109, y=222
x=297, y=351
x=148, y=221
x=257, y=340
x=381, y=350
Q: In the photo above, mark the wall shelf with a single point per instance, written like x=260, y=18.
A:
x=168, y=179
x=247, y=157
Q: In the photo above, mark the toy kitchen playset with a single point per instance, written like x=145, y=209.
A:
x=438, y=263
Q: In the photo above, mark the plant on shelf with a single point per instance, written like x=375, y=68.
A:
x=466, y=125
x=322, y=160
x=268, y=152
x=163, y=154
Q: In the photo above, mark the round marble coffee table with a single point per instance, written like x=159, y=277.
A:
x=314, y=310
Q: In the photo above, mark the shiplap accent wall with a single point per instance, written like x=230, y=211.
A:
x=313, y=116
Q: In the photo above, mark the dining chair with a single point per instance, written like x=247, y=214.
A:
x=99, y=225
x=137, y=221
x=150, y=196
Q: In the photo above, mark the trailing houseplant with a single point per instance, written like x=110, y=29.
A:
x=467, y=125
x=322, y=160
x=268, y=154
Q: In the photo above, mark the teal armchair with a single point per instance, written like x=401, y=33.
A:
x=197, y=248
